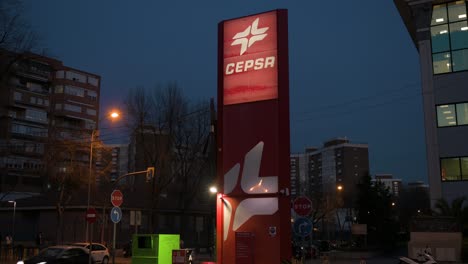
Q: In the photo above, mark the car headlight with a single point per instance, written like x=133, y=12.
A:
x=42, y=262
x=20, y=262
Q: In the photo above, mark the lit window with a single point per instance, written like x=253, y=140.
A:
x=449, y=37
x=446, y=115
x=462, y=114
x=460, y=60
x=452, y=115
x=464, y=168
x=450, y=169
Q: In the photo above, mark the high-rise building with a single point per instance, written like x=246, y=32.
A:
x=329, y=176
x=439, y=30
x=119, y=162
x=42, y=102
x=336, y=167
x=298, y=175
x=393, y=185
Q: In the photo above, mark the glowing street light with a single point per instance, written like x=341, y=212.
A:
x=213, y=189
x=114, y=114
x=339, y=187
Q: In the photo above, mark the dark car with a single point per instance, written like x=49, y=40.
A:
x=60, y=255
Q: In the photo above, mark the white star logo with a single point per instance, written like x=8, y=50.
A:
x=257, y=35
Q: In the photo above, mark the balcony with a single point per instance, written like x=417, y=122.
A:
x=23, y=87
x=34, y=70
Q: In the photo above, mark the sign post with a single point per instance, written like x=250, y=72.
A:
x=116, y=198
x=302, y=206
x=115, y=215
x=135, y=219
x=91, y=218
x=253, y=151
x=91, y=215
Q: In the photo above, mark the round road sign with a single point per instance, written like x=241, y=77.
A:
x=116, y=198
x=302, y=206
x=91, y=215
x=302, y=226
x=116, y=214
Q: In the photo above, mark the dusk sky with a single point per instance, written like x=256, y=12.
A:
x=354, y=70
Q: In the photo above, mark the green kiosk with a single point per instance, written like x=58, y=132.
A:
x=154, y=248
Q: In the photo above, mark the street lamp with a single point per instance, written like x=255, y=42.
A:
x=113, y=115
x=213, y=189
x=213, y=248
x=13, y=229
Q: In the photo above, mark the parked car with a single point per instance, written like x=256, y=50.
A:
x=59, y=255
x=99, y=252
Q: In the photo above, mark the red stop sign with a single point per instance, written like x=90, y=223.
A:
x=91, y=215
x=302, y=206
x=116, y=198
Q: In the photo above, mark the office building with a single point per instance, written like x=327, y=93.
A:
x=439, y=31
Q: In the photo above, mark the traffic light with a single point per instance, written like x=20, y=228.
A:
x=149, y=174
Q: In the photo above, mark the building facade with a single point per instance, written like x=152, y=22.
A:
x=119, y=162
x=393, y=185
x=439, y=30
x=174, y=204
x=43, y=102
x=329, y=176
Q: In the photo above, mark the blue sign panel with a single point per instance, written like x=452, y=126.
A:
x=302, y=226
x=116, y=214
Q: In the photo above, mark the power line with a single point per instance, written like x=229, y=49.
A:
x=340, y=111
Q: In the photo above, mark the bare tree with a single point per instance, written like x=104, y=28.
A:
x=190, y=143
x=67, y=170
x=16, y=36
x=65, y=174
x=172, y=133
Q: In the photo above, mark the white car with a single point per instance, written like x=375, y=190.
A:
x=99, y=252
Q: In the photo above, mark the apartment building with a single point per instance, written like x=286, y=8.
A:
x=119, y=162
x=439, y=30
x=298, y=175
x=42, y=103
x=337, y=167
x=334, y=168
x=393, y=185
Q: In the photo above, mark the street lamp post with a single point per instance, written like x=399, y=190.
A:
x=213, y=248
x=94, y=133
x=13, y=227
